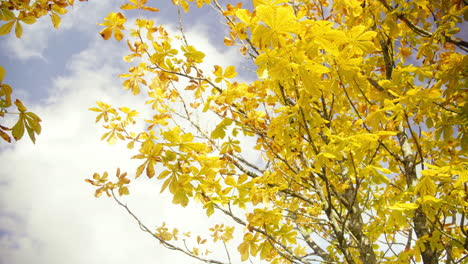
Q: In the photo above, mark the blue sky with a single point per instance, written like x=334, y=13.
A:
x=48, y=214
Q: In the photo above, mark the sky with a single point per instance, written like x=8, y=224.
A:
x=48, y=213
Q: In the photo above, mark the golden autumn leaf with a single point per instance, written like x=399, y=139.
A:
x=56, y=20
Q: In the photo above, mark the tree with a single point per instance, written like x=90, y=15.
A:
x=16, y=13
x=359, y=114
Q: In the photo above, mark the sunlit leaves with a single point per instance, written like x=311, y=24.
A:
x=114, y=24
x=6, y=28
x=192, y=54
x=229, y=72
x=353, y=130
x=151, y=153
x=135, y=79
x=106, y=186
x=27, y=121
x=138, y=4
x=220, y=130
x=104, y=109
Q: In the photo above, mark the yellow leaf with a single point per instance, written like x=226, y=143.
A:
x=106, y=33
x=462, y=178
x=114, y=21
x=230, y=181
x=123, y=191
x=230, y=72
x=18, y=129
x=150, y=170
x=119, y=36
x=220, y=130
x=20, y=106
x=404, y=207
x=218, y=71
x=139, y=170
x=387, y=133
x=2, y=73
x=5, y=136
x=228, y=41
x=55, y=20
x=128, y=7
x=151, y=9
x=33, y=121
x=18, y=30
x=426, y=186
x=384, y=170
x=28, y=20
x=7, y=15
x=165, y=184
x=244, y=15
x=6, y=28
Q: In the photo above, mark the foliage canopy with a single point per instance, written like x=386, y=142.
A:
x=358, y=115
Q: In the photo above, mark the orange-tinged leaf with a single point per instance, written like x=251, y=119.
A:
x=55, y=20
x=151, y=9
x=106, y=33
x=5, y=136
x=118, y=34
x=218, y=71
x=150, y=170
x=33, y=123
x=6, y=28
x=228, y=41
x=130, y=144
x=128, y=6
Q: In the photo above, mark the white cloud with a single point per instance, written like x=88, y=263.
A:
x=48, y=213
x=36, y=38
x=32, y=43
